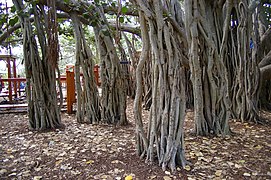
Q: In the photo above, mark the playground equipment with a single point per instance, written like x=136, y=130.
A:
x=14, y=90
x=13, y=81
x=70, y=84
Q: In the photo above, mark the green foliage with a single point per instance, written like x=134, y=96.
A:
x=66, y=1
x=121, y=19
x=13, y=9
x=13, y=21
x=86, y=15
x=65, y=28
x=124, y=9
x=105, y=32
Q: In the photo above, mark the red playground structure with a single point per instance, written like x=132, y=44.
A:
x=11, y=90
x=13, y=82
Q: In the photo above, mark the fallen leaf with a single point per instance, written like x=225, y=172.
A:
x=218, y=173
x=247, y=174
x=199, y=154
x=62, y=154
x=58, y=162
x=167, y=178
x=3, y=171
x=37, y=169
x=115, y=162
x=230, y=163
x=37, y=177
x=237, y=166
x=90, y=162
x=12, y=174
x=129, y=177
x=187, y=167
x=259, y=147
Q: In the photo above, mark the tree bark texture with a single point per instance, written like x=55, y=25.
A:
x=242, y=63
x=164, y=137
x=113, y=100
x=43, y=109
x=88, y=104
x=209, y=74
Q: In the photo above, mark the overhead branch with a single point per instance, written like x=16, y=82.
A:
x=83, y=7
x=134, y=29
x=123, y=27
x=12, y=29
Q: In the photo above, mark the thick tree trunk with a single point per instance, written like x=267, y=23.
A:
x=88, y=106
x=113, y=100
x=43, y=110
x=164, y=139
x=208, y=72
x=246, y=77
x=125, y=69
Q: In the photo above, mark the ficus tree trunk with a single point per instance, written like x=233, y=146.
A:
x=261, y=51
x=245, y=78
x=225, y=78
x=209, y=75
x=43, y=109
x=88, y=105
x=113, y=100
x=133, y=63
x=125, y=69
x=161, y=24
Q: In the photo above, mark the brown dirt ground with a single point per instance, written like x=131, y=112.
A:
x=84, y=151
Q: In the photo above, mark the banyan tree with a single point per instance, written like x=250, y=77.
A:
x=163, y=34
x=43, y=109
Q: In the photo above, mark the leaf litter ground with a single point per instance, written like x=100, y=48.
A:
x=85, y=151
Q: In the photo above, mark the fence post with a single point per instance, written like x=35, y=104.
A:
x=70, y=82
x=96, y=74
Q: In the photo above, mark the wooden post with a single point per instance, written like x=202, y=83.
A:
x=9, y=81
x=96, y=74
x=15, y=83
x=70, y=82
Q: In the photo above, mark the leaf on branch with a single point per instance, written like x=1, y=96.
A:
x=124, y=9
x=66, y=1
x=121, y=19
x=13, y=21
x=86, y=15
x=13, y=9
x=96, y=1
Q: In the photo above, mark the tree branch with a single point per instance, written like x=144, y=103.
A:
x=134, y=29
x=123, y=27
